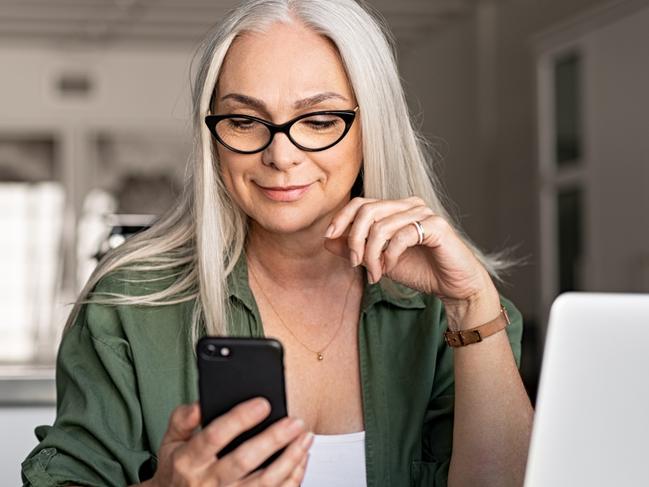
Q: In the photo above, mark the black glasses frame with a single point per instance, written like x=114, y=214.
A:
x=348, y=117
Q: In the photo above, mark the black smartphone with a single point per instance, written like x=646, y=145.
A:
x=232, y=370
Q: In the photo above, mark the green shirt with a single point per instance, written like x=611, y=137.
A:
x=121, y=370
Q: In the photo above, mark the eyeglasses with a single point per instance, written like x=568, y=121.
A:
x=311, y=132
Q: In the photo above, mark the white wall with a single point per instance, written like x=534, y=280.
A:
x=132, y=86
x=440, y=80
x=616, y=74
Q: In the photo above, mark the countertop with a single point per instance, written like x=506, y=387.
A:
x=27, y=385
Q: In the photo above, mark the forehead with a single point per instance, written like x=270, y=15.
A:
x=286, y=60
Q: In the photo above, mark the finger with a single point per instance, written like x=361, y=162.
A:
x=341, y=220
x=384, y=231
x=252, y=453
x=435, y=227
x=338, y=246
x=182, y=423
x=286, y=469
x=208, y=442
x=296, y=478
x=366, y=216
x=298, y=474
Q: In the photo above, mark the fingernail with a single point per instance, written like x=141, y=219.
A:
x=188, y=409
x=306, y=441
x=370, y=279
x=353, y=257
x=330, y=231
x=296, y=425
x=261, y=406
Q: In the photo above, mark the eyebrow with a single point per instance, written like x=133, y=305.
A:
x=298, y=105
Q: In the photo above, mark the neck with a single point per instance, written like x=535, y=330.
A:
x=296, y=260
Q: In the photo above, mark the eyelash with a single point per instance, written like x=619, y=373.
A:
x=315, y=123
x=324, y=124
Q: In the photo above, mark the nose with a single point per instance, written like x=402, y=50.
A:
x=281, y=153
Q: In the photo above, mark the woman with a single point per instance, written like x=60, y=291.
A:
x=325, y=231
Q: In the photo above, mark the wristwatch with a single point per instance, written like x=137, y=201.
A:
x=461, y=338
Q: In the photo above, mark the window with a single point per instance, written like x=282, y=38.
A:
x=31, y=221
x=567, y=109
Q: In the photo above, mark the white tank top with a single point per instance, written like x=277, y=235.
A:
x=336, y=460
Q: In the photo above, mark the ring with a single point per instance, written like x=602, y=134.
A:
x=420, y=231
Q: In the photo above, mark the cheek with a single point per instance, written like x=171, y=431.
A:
x=353, y=148
x=229, y=176
x=225, y=174
x=347, y=161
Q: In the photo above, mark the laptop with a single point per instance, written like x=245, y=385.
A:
x=591, y=426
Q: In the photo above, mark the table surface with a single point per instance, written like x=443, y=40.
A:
x=27, y=385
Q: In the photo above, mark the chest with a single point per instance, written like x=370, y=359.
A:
x=407, y=420
x=325, y=393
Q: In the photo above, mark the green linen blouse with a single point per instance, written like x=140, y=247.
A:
x=121, y=370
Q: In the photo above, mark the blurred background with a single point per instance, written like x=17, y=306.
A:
x=538, y=109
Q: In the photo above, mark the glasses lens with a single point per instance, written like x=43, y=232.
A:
x=242, y=134
x=318, y=131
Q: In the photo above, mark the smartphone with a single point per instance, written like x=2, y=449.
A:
x=232, y=370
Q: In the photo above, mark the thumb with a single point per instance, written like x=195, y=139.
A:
x=182, y=423
x=337, y=246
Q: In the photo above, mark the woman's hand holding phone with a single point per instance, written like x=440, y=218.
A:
x=188, y=458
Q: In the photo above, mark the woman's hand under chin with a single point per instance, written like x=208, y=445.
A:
x=380, y=235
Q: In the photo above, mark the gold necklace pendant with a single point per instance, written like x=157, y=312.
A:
x=319, y=355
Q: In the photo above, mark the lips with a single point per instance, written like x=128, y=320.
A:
x=284, y=193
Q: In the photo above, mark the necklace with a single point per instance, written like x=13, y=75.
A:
x=319, y=353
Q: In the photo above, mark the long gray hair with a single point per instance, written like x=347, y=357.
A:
x=200, y=240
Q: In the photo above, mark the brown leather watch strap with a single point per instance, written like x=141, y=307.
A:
x=479, y=333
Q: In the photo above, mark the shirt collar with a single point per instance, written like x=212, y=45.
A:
x=377, y=293
x=239, y=287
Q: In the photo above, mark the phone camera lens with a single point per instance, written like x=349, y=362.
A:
x=215, y=351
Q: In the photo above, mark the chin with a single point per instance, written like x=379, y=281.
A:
x=285, y=222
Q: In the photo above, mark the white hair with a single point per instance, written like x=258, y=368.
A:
x=199, y=241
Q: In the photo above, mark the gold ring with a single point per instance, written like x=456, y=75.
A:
x=420, y=232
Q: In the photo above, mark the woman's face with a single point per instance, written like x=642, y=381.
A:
x=278, y=68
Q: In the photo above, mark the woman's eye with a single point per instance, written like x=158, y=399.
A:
x=321, y=124
x=240, y=123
